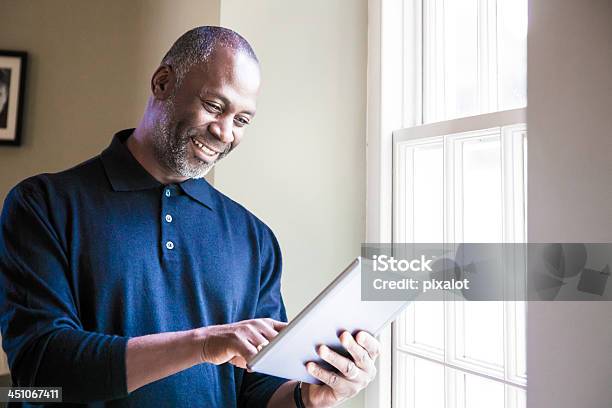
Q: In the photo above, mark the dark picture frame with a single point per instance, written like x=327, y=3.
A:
x=13, y=68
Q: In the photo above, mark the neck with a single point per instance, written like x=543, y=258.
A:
x=141, y=146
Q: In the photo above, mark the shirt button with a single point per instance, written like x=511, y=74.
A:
x=170, y=245
x=167, y=192
x=168, y=218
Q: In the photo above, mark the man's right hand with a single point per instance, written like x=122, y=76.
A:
x=237, y=343
x=156, y=356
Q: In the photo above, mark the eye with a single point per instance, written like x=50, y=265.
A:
x=241, y=121
x=213, y=107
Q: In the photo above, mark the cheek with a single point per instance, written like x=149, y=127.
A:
x=191, y=121
x=201, y=116
x=192, y=115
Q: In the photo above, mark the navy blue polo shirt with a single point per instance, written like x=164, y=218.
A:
x=102, y=252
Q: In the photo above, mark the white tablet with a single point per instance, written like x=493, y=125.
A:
x=336, y=309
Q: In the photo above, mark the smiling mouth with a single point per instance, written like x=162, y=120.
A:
x=204, y=149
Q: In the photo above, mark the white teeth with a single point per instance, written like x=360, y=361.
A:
x=203, y=148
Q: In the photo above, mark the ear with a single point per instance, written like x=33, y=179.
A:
x=162, y=82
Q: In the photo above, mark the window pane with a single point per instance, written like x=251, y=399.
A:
x=428, y=194
x=429, y=324
x=520, y=397
x=483, y=393
x=481, y=191
x=460, y=58
x=512, y=53
x=483, y=325
x=428, y=384
x=474, y=57
x=424, y=383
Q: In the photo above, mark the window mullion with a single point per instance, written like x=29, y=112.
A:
x=451, y=388
x=449, y=238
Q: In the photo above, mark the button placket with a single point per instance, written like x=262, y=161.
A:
x=168, y=233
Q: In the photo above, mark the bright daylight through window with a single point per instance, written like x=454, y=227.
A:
x=459, y=175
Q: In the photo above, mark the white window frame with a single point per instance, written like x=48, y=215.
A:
x=511, y=128
x=391, y=89
x=379, y=174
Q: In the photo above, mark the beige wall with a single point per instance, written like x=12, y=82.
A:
x=90, y=63
x=301, y=166
x=569, y=345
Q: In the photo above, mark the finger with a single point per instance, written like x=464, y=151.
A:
x=256, y=337
x=358, y=353
x=346, y=367
x=339, y=384
x=276, y=325
x=243, y=352
x=368, y=342
x=266, y=328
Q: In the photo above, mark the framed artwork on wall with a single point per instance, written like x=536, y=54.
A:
x=12, y=87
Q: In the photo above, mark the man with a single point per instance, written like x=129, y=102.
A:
x=130, y=281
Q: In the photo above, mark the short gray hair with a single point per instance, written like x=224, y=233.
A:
x=195, y=46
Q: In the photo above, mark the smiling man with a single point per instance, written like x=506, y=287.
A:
x=129, y=281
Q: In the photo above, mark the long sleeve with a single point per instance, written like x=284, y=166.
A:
x=257, y=388
x=39, y=319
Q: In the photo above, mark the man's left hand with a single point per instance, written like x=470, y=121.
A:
x=352, y=376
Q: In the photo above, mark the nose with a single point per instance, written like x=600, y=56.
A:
x=222, y=130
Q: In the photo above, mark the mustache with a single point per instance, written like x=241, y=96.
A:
x=210, y=141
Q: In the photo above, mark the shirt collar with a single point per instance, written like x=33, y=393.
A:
x=126, y=174
x=200, y=190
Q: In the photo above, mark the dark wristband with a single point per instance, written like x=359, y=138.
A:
x=297, y=395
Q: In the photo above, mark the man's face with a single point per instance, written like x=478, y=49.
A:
x=3, y=95
x=207, y=115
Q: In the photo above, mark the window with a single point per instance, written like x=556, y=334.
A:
x=452, y=81
x=461, y=185
x=474, y=56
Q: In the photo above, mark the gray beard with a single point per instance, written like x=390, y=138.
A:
x=172, y=149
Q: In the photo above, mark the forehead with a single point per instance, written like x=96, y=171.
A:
x=231, y=73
